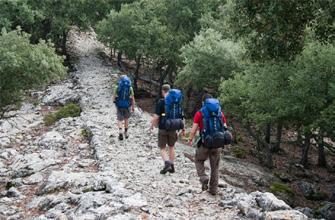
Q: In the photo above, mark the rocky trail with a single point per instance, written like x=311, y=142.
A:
x=56, y=173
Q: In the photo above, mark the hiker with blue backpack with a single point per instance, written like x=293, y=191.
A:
x=212, y=126
x=125, y=102
x=169, y=119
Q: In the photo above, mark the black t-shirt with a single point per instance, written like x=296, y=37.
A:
x=160, y=109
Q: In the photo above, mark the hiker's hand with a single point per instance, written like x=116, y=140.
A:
x=190, y=142
x=132, y=109
x=183, y=133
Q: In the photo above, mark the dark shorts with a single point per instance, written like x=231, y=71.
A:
x=167, y=138
x=122, y=114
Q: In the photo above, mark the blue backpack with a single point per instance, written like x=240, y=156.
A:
x=214, y=134
x=123, y=93
x=173, y=110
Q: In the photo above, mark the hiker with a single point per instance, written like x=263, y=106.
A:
x=211, y=123
x=125, y=101
x=169, y=119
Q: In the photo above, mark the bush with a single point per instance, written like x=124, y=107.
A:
x=239, y=152
x=49, y=119
x=69, y=110
x=25, y=66
x=87, y=134
x=278, y=188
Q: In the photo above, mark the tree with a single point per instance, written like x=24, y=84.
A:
x=313, y=93
x=209, y=59
x=272, y=29
x=25, y=66
x=51, y=19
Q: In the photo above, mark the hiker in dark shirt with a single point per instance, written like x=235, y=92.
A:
x=165, y=137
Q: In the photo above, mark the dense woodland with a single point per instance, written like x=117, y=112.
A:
x=272, y=63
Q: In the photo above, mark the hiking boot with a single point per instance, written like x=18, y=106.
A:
x=204, y=185
x=167, y=168
x=120, y=137
x=172, y=169
x=216, y=193
x=126, y=135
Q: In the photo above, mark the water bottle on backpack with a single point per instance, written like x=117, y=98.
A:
x=214, y=134
x=173, y=110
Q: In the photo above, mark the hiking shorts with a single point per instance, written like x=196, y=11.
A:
x=123, y=113
x=166, y=138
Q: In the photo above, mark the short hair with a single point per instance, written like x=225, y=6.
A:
x=166, y=87
x=206, y=96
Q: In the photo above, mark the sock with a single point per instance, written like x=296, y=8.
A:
x=120, y=130
x=126, y=130
x=167, y=162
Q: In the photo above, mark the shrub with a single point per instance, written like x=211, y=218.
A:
x=25, y=66
x=239, y=152
x=87, y=134
x=69, y=110
x=278, y=188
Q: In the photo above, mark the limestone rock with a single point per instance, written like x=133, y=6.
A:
x=52, y=140
x=285, y=215
x=60, y=95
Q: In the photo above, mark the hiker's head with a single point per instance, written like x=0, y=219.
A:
x=123, y=76
x=165, y=89
x=206, y=96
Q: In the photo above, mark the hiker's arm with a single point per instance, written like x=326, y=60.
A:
x=193, y=132
x=132, y=103
x=154, y=121
x=224, y=120
x=132, y=97
x=115, y=94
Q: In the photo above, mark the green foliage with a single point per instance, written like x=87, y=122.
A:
x=239, y=152
x=209, y=59
x=49, y=119
x=49, y=19
x=87, y=134
x=276, y=188
x=318, y=196
x=323, y=23
x=17, y=13
x=25, y=66
x=272, y=29
x=294, y=92
x=69, y=110
x=156, y=29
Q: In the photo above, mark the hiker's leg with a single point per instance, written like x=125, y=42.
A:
x=214, y=160
x=162, y=142
x=171, y=141
x=200, y=156
x=164, y=154
x=171, y=154
x=120, y=119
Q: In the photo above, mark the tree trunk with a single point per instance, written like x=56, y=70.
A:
x=276, y=146
x=322, y=162
x=265, y=148
x=119, y=59
x=163, y=76
x=305, y=150
x=136, y=74
x=268, y=133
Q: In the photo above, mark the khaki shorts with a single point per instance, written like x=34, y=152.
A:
x=123, y=113
x=166, y=138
